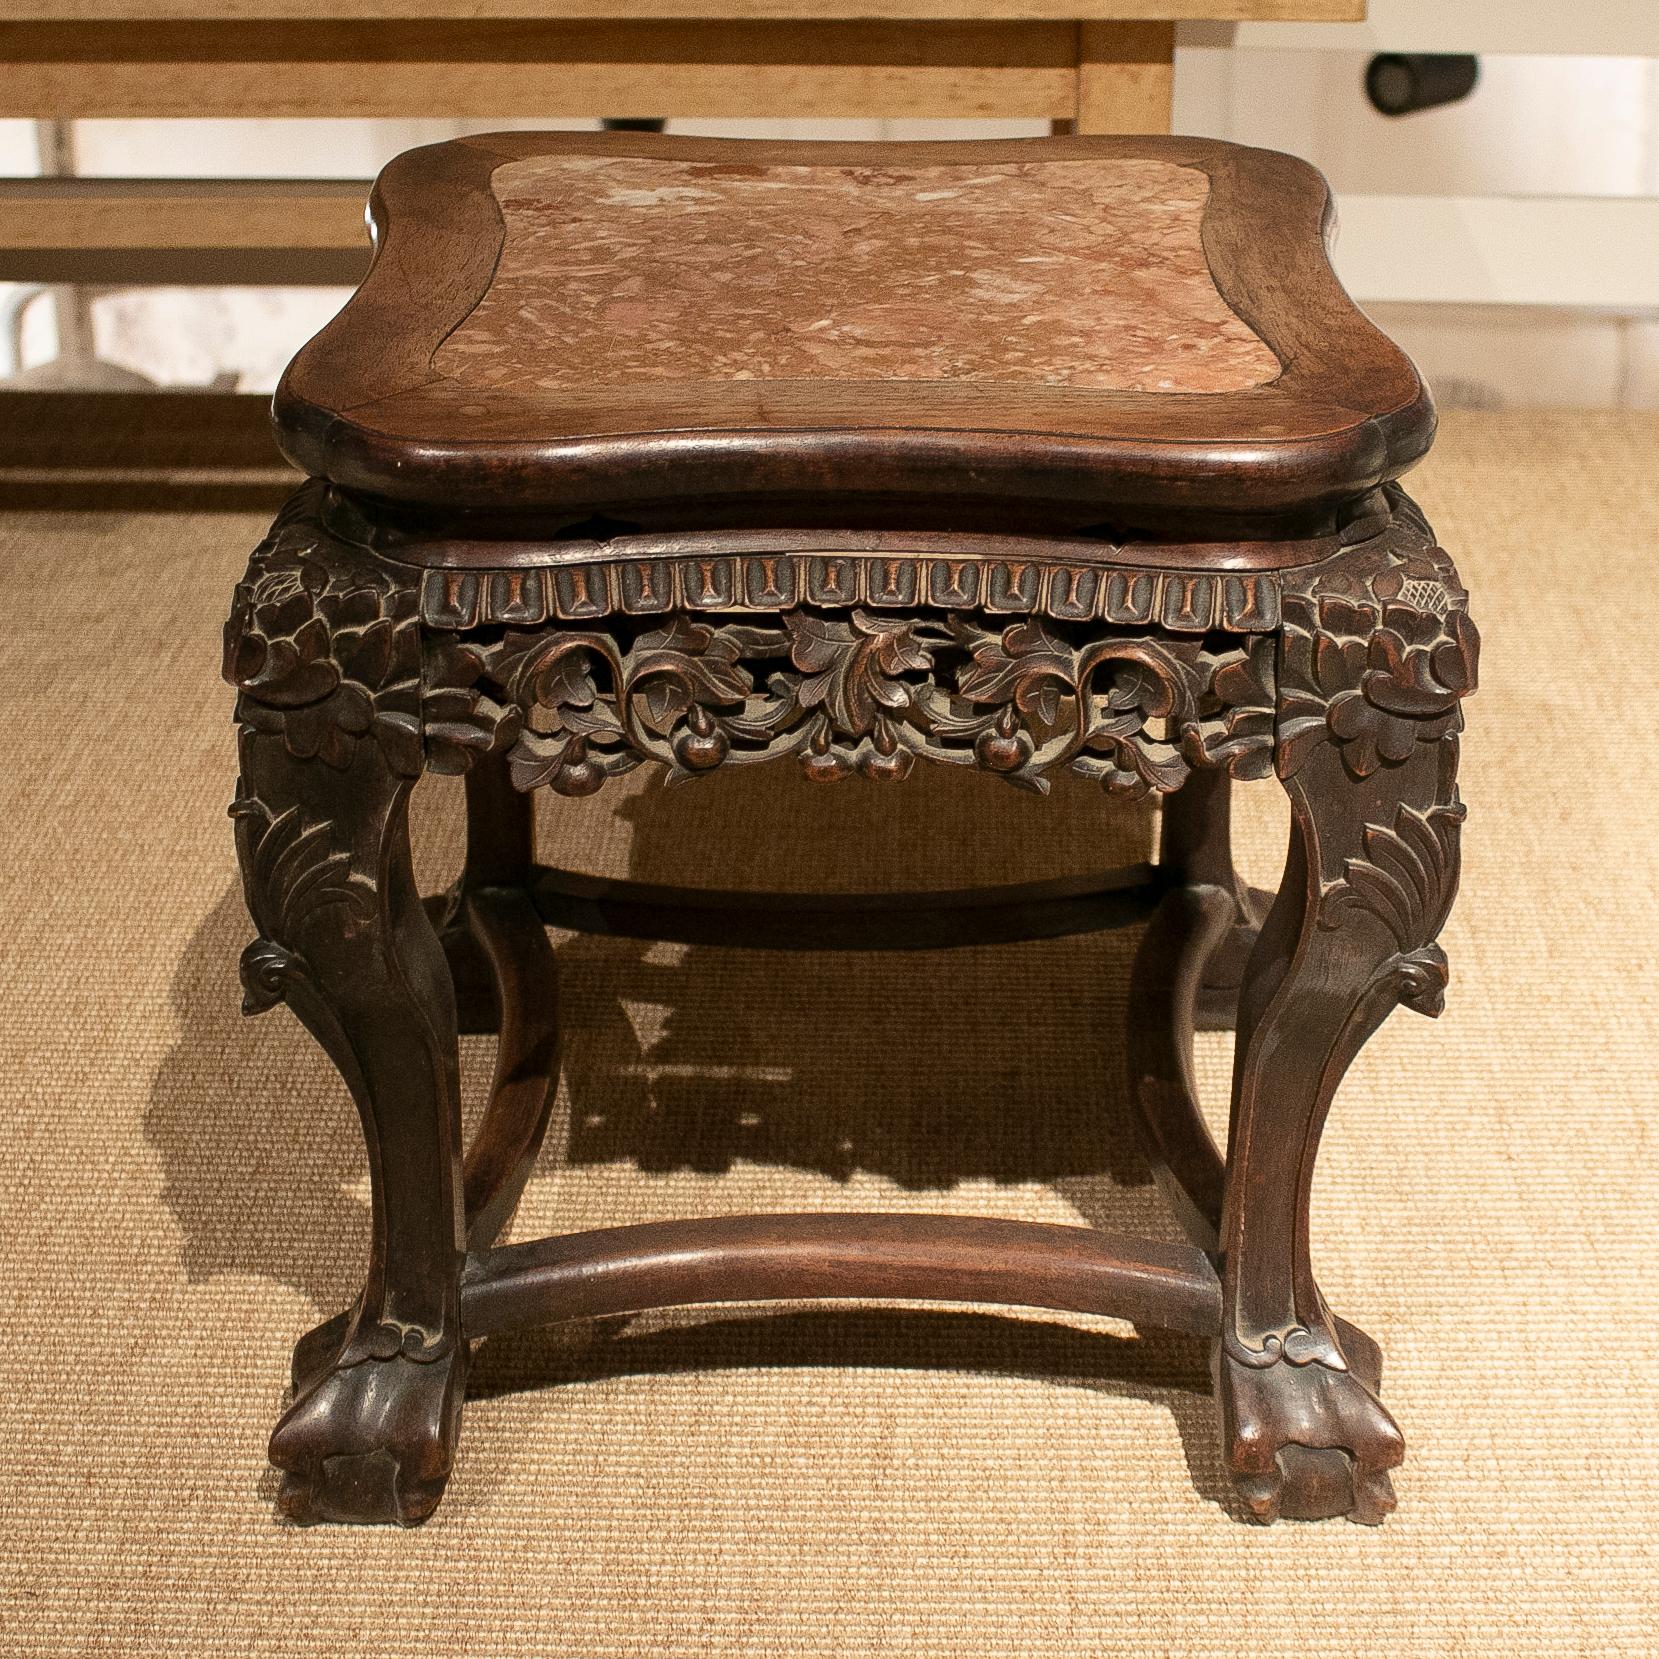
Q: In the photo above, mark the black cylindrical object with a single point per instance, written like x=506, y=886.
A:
x=1401, y=83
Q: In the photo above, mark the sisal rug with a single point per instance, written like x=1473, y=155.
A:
x=184, y=1193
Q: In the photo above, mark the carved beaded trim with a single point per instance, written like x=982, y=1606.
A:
x=1181, y=602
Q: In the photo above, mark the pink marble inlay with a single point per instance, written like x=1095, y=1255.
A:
x=1059, y=273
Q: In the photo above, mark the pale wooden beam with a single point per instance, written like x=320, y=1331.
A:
x=552, y=70
x=183, y=213
x=1125, y=78
x=257, y=231
x=1542, y=28
x=637, y=11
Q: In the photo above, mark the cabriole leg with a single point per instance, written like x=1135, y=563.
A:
x=323, y=647
x=1368, y=716
x=347, y=944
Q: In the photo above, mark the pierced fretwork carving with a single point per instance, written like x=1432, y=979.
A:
x=863, y=692
x=1375, y=650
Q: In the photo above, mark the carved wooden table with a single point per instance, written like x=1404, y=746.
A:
x=1020, y=456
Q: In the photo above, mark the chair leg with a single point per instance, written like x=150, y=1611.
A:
x=1197, y=847
x=501, y=844
x=1164, y=988
x=346, y=942
x=1370, y=876
x=511, y=942
x=1203, y=924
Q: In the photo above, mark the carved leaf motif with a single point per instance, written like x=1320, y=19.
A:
x=664, y=699
x=851, y=667
x=550, y=671
x=293, y=872
x=536, y=760
x=1152, y=692
x=1408, y=876
x=1023, y=662
x=565, y=683
x=1129, y=685
x=686, y=665
x=863, y=692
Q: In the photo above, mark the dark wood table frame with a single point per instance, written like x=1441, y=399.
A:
x=371, y=642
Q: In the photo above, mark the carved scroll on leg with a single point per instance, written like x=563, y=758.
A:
x=322, y=647
x=1368, y=720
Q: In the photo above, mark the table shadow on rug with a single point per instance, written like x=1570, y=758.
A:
x=997, y=1065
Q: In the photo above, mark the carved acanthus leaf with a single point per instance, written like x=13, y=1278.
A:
x=1407, y=878
x=294, y=870
x=851, y=667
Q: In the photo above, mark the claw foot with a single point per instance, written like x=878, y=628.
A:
x=316, y=1351
x=371, y=1441
x=1307, y=1442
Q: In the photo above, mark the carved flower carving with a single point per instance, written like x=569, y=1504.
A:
x=1379, y=678
x=324, y=661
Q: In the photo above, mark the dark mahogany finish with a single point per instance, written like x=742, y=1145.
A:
x=364, y=405
x=1160, y=590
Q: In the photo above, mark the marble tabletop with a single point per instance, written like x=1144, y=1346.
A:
x=1064, y=273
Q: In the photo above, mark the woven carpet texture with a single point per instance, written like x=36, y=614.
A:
x=184, y=1190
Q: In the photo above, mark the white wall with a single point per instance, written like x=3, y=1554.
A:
x=1535, y=127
